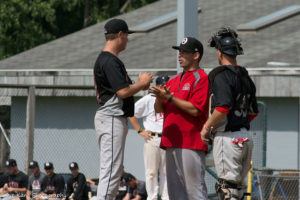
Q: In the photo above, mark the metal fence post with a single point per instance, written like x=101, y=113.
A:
x=30, y=118
x=187, y=21
x=264, y=161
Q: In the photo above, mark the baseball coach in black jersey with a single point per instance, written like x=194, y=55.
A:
x=233, y=106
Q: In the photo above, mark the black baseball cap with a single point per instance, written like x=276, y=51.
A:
x=33, y=164
x=115, y=26
x=162, y=80
x=11, y=163
x=48, y=165
x=190, y=44
x=73, y=165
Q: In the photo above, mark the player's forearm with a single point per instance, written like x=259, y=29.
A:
x=186, y=106
x=20, y=190
x=138, y=197
x=159, y=106
x=53, y=196
x=28, y=195
x=68, y=193
x=215, y=119
x=130, y=90
x=135, y=123
x=127, y=196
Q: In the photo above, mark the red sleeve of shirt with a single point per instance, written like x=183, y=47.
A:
x=223, y=109
x=200, y=94
x=251, y=117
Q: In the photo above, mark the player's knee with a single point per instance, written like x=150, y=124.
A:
x=225, y=192
x=151, y=173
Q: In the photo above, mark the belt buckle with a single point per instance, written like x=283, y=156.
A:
x=154, y=134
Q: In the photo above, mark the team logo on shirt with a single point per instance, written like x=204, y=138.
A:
x=13, y=184
x=75, y=186
x=36, y=185
x=159, y=116
x=186, y=86
x=50, y=188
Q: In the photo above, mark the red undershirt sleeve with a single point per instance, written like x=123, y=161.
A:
x=223, y=109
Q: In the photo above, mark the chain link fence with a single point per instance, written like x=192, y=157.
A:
x=272, y=184
x=64, y=129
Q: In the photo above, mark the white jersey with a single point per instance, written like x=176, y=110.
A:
x=144, y=108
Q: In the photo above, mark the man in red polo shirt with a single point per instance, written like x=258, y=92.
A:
x=184, y=101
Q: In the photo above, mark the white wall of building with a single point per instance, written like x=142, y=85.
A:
x=282, y=134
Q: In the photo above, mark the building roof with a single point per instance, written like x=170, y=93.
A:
x=278, y=42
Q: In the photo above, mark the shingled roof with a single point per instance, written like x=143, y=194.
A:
x=279, y=42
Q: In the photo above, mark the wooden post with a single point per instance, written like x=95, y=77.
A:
x=298, y=156
x=30, y=118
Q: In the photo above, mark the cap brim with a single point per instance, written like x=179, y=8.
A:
x=73, y=167
x=48, y=167
x=130, y=31
x=181, y=48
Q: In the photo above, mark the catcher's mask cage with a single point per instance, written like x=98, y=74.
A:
x=226, y=40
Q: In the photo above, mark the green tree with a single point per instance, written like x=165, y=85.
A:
x=25, y=24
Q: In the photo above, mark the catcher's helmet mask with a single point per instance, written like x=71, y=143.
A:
x=226, y=40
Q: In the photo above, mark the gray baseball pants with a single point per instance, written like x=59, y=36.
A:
x=111, y=132
x=185, y=174
x=232, y=162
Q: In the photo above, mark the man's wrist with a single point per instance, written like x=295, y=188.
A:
x=207, y=128
x=140, y=130
x=144, y=83
x=170, y=98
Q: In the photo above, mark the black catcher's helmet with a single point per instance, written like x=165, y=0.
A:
x=226, y=40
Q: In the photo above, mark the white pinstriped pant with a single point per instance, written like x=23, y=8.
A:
x=155, y=161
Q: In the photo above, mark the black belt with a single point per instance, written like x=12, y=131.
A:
x=236, y=129
x=154, y=134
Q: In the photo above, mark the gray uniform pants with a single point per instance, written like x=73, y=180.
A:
x=232, y=162
x=185, y=174
x=111, y=133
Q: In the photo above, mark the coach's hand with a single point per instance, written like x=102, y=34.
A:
x=162, y=93
x=146, y=135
